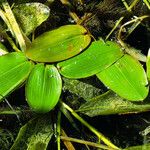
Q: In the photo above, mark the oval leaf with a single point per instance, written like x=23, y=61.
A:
x=14, y=69
x=127, y=78
x=43, y=88
x=59, y=44
x=30, y=15
x=96, y=58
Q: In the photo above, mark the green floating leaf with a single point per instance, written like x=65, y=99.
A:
x=148, y=65
x=14, y=69
x=3, y=49
x=30, y=15
x=43, y=88
x=127, y=78
x=59, y=44
x=82, y=88
x=35, y=135
x=110, y=103
x=94, y=59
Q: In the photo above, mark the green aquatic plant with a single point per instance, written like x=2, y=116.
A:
x=120, y=72
x=48, y=65
x=39, y=65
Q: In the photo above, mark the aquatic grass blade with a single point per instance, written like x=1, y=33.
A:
x=14, y=69
x=97, y=57
x=127, y=78
x=43, y=88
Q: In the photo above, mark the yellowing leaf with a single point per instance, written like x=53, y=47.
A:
x=59, y=44
x=97, y=57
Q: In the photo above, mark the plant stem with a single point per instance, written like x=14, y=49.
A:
x=14, y=111
x=14, y=26
x=13, y=45
x=116, y=25
x=3, y=16
x=68, y=144
x=91, y=128
x=58, y=129
x=147, y=3
x=133, y=27
x=86, y=143
x=131, y=51
x=72, y=14
x=125, y=4
x=132, y=5
x=69, y=117
x=129, y=8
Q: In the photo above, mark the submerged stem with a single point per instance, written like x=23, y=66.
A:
x=58, y=129
x=71, y=13
x=131, y=51
x=133, y=4
x=129, y=8
x=91, y=128
x=65, y=138
x=114, y=28
x=13, y=45
x=147, y=3
x=125, y=4
x=67, y=143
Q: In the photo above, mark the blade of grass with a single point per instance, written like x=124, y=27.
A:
x=132, y=5
x=13, y=45
x=125, y=4
x=3, y=16
x=13, y=25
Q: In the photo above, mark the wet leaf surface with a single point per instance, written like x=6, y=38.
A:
x=43, y=88
x=97, y=57
x=85, y=88
x=111, y=103
x=127, y=78
x=59, y=44
x=13, y=72
x=34, y=135
x=30, y=15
